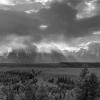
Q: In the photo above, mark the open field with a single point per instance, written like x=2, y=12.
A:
x=55, y=69
x=53, y=81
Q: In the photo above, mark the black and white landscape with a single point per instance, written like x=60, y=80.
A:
x=49, y=49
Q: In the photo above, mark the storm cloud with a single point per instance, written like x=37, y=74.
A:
x=50, y=33
x=61, y=18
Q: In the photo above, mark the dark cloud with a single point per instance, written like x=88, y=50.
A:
x=61, y=18
x=18, y=23
x=58, y=17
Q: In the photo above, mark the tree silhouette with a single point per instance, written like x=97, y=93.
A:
x=84, y=73
x=88, y=86
x=82, y=92
x=93, y=87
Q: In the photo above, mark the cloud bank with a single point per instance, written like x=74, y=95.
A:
x=54, y=30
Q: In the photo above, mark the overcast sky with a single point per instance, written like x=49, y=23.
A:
x=47, y=26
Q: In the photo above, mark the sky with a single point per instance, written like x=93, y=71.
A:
x=50, y=30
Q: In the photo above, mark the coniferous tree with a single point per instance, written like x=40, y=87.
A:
x=84, y=73
x=82, y=87
x=93, y=87
x=82, y=93
x=88, y=86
